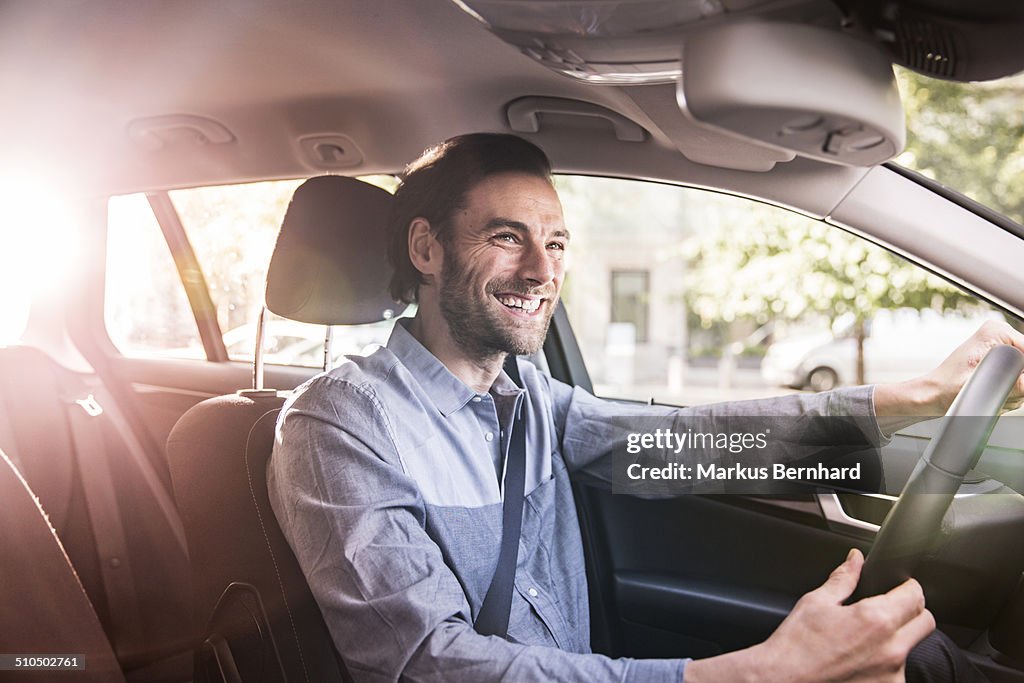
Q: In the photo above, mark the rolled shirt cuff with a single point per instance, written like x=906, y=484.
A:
x=655, y=670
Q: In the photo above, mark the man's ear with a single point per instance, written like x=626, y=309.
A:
x=425, y=250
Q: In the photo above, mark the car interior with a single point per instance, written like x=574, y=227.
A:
x=138, y=533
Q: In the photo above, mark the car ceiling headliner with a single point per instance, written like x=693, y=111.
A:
x=393, y=75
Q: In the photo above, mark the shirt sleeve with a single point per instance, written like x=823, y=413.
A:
x=591, y=429
x=357, y=525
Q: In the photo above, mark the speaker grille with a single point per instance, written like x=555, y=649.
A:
x=926, y=47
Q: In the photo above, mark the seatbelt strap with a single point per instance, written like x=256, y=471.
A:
x=105, y=515
x=151, y=478
x=494, y=613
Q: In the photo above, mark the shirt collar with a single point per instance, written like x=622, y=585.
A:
x=447, y=391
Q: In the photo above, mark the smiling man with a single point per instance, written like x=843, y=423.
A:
x=497, y=274
x=389, y=473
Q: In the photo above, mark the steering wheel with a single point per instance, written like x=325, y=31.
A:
x=915, y=519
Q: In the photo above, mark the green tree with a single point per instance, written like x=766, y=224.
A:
x=770, y=265
x=969, y=136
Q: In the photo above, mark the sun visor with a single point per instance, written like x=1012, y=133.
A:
x=816, y=92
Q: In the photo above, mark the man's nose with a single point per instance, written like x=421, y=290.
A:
x=538, y=264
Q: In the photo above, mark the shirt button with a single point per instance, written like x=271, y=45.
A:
x=476, y=399
x=489, y=436
x=532, y=592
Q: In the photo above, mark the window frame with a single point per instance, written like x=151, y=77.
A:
x=190, y=273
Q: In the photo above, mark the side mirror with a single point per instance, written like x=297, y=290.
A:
x=813, y=91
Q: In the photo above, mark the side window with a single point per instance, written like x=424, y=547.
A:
x=232, y=230
x=687, y=296
x=146, y=310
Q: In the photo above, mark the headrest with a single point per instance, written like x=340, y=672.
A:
x=330, y=264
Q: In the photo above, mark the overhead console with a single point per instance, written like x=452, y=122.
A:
x=806, y=77
x=813, y=91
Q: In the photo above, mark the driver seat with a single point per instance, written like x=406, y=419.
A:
x=254, y=616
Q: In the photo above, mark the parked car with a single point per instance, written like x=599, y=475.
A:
x=899, y=345
x=172, y=134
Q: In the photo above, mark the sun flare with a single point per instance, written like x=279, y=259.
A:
x=39, y=249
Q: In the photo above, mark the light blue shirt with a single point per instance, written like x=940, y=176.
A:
x=384, y=479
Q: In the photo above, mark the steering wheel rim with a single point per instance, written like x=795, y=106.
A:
x=913, y=522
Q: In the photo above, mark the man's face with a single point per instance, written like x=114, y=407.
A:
x=503, y=266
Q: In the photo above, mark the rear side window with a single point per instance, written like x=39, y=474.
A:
x=232, y=230
x=146, y=310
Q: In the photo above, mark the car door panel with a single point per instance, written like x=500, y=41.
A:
x=681, y=569
x=717, y=573
x=717, y=616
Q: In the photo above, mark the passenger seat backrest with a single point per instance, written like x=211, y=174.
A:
x=45, y=609
x=254, y=614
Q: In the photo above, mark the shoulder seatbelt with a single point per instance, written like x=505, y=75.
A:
x=494, y=613
x=143, y=464
x=107, y=524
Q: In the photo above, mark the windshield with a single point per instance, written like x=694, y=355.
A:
x=968, y=136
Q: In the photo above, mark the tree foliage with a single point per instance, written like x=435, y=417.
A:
x=777, y=266
x=969, y=136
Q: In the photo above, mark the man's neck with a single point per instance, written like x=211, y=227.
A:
x=476, y=373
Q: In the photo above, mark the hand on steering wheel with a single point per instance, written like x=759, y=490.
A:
x=915, y=519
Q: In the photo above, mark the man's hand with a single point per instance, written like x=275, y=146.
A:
x=953, y=372
x=897, y=405
x=824, y=640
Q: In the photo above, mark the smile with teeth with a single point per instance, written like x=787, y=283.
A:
x=526, y=305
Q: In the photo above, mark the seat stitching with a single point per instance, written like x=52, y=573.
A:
x=266, y=538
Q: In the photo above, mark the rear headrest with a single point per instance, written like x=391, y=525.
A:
x=330, y=264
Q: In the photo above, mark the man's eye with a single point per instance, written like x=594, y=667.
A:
x=557, y=246
x=506, y=237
